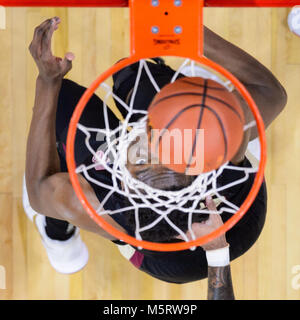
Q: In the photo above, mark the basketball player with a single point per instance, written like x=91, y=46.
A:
x=50, y=200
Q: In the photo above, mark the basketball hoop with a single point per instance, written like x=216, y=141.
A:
x=179, y=33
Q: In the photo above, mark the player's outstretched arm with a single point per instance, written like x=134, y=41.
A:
x=265, y=89
x=267, y=92
x=50, y=191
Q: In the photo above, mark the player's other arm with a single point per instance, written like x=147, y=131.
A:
x=220, y=283
x=217, y=253
x=50, y=191
x=267, y=92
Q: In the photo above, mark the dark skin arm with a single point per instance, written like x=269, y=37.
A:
x=220, y=284
x=50, y=191
x=219, y=278
x=267, y=92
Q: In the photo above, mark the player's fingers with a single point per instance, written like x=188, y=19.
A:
x=47, y=36
x=36, y=44
x=214, y=219
x=210, y=203
x=40, y=29
x=66, y=63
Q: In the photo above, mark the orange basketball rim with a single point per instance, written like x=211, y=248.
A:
x=169, y=28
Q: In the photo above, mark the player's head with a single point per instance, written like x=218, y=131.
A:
x=144, y=167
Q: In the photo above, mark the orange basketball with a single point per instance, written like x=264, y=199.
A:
x=195, y=125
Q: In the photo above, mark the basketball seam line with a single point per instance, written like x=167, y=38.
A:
x=198, y=94
x=202, y=86
x=174, y=119
x=210, y=109
x=198, y=126
x=223, y=130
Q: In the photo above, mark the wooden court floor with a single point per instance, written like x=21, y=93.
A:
x=99, y=37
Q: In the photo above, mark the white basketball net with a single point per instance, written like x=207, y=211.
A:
x=144, y=196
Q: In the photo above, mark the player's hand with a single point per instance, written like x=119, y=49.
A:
x=51, y=68
x=212, y=223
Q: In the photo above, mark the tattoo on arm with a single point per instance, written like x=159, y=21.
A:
x=220, y=283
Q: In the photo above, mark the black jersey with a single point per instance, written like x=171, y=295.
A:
x=179, y=266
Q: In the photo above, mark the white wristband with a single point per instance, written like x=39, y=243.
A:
x=218, y=257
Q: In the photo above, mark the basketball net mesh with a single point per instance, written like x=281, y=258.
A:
x=140, y=195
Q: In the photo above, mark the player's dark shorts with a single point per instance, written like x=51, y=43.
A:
x=175, y=267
